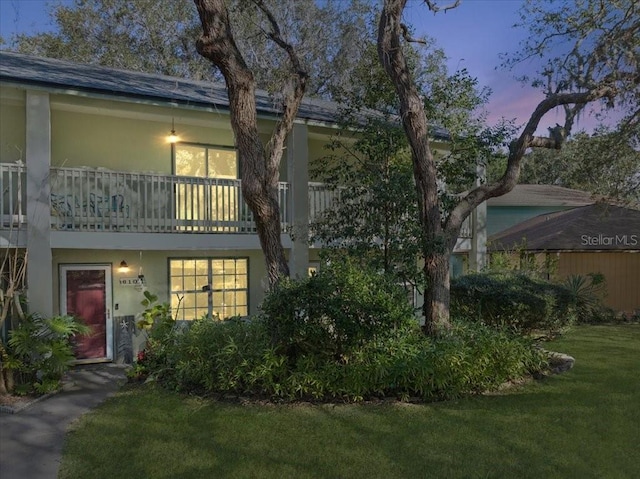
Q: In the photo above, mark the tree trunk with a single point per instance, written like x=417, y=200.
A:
x=259, y=173
x=3, y=387
x=436, y=293
x=416, y=127
x=267, y=216
x=6, y=375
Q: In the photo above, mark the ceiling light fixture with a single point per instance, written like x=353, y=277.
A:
x=173, y=138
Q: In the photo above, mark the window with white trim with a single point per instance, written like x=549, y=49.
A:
x=208, y=197
x=214, y=287
x=205, y=161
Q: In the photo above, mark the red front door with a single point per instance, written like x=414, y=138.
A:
x=85, y=295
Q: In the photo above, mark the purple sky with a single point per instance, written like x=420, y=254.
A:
x=472, y=35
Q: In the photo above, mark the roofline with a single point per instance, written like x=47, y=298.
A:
x=151, y=99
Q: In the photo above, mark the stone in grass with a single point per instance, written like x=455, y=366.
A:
x=560, y=363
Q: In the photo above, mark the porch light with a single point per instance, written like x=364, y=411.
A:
x=124, y=267
x=173, y=138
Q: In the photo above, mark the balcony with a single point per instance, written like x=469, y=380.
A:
x=84, y=199
x=103, y=200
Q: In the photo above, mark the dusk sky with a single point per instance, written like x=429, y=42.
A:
x=472, y=36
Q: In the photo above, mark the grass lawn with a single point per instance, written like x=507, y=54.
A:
x=582, y=424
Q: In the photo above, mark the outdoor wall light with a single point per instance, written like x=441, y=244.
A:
x=124, y=267
x=173, y=138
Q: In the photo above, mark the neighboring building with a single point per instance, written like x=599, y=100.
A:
x=599, y=238
x=527, y=201
x=91, y=183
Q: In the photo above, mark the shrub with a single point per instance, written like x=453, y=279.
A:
x=587, y=293
x=515, y=301
x=162, y=330
x=344, y=334
x=42, y=350
x=237, y=358
x=225, y=357
x=339, y=308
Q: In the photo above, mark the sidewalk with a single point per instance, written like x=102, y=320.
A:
x=31, y=441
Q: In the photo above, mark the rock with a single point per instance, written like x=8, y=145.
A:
x=559, y=362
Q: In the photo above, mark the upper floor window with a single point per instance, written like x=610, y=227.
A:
x=208, y=198
x=204, y=161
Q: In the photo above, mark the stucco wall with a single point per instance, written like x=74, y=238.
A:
x=154, y=265
x=12, y=125
x=122, y=144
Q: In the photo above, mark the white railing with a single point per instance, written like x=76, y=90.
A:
x=321, y=198
x=103, y=200
x=13, y=201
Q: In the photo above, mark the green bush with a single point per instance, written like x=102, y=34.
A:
x=226, y=357
x=470, y=359
x=42, y=351
x=587, y=293
x=238, y=358
x=344, y=334
x=162, y=333
x=512, y=300
x=339, y=308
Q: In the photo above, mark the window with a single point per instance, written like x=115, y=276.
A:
x=216, y=287
x=205, y=161
x=314, y=267
x=209, y=196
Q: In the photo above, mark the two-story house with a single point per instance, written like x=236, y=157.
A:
x=117, y=181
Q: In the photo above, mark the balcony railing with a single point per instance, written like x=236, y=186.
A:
x=84, y=199
x=322, y=198
x=13, y=202
x=103, y=200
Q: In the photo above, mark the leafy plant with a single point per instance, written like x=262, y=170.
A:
x=42, y=350
x=587, y=293
x=512, y=300
x=157, y=320
x=335, y=310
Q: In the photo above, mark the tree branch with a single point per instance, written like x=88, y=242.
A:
x=435, y=8
x=408, y=38
x=519, y=147
x=292, y=98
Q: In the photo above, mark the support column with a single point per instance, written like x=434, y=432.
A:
x=298, y=177
x=38, y=161
x=478, y=253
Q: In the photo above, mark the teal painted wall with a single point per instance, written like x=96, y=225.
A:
x=499, y=218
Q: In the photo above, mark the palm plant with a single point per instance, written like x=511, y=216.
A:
x=42, y=350
x=587, y=293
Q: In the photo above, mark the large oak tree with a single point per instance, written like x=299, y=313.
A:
x=593, y=54
x=260, y=164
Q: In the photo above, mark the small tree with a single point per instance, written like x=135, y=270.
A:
x=369, y=167
x=13, y=268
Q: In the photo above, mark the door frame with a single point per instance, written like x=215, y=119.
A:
x=106, y=267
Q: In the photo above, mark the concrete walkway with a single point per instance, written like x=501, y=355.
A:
x=31, y=440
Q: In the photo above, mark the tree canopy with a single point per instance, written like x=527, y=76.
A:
x=606, y=163
x=160, y=37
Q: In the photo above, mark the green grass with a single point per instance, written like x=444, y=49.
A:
x=582, y=424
